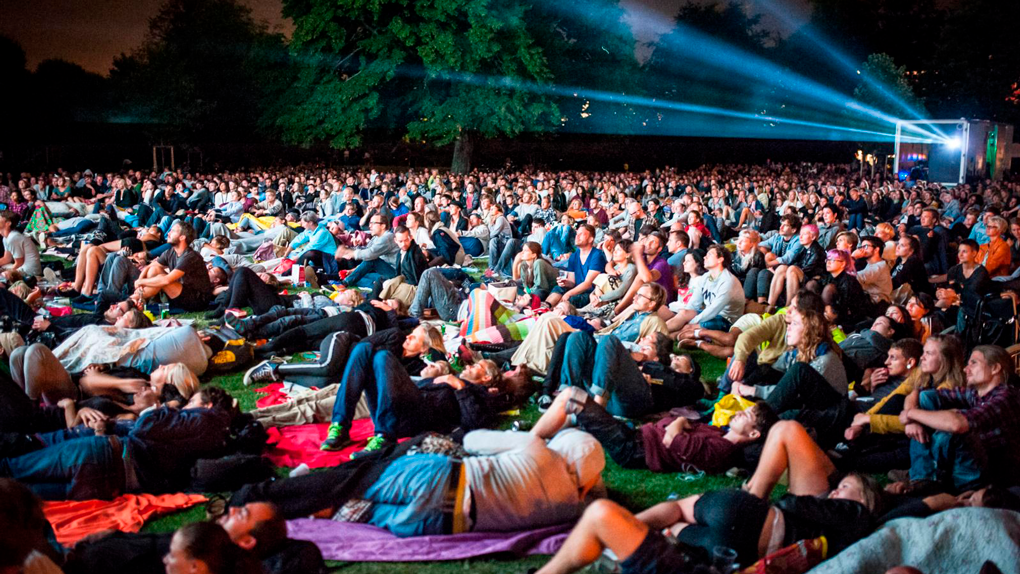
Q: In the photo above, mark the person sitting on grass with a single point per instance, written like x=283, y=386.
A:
x=730, y=518
x=966, y=437
x=671, y=444
x=179, y=273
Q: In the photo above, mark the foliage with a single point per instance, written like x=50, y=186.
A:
x=881, y=70
x=206, y=68
x=435, y=69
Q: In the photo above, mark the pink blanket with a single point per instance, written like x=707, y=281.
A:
x=350, y=542
x=293, y=445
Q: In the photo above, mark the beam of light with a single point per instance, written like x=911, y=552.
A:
x=771, y=123
x=712, y=52
x=786, y=16
x=716, y=54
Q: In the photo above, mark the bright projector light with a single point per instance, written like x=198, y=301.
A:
x=953, y=143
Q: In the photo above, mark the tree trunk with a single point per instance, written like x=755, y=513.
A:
x=462, y=150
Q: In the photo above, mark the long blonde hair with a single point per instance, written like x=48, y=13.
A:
x=951, y=354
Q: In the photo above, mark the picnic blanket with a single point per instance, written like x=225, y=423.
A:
x=958, y=540
x=73, y=520
x=484, y=311
x=353, y=542
x=290, y=446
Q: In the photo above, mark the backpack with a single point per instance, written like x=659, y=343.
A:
x=230, y=351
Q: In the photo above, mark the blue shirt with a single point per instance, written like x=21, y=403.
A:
x=596, y=262
x=319, y=239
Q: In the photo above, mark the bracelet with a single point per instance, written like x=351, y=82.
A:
x=697, y=333
x=698, y=343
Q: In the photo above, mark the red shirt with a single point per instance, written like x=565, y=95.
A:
x=703, y=446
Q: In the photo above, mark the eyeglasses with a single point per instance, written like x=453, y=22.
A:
x=375, y=223
x=642, y=295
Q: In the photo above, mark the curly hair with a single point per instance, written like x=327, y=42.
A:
x=816, y=332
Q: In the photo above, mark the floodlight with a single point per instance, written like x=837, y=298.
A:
x=953, y=143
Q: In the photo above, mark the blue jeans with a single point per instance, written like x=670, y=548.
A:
x=615, y=374
x=367, y=272
x=504, y=264
x=83, y=226
x=408, y=497
x=955, y=460
x=472, y=246
x=79, y=469
x=435, y=290
x=716, y=324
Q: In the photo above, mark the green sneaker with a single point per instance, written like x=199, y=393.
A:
x=375, y=443
x=336, y=438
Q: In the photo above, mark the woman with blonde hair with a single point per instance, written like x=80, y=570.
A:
x=995, y=255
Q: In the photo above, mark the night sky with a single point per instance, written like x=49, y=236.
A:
x=92, y=33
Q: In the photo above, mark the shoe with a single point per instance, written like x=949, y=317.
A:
x=376, y=443
x=305, y=300
x=337, y=438
x=544, y=402
x=311, y=278
x=83, y=298
x=233, y=321
x=264, y=372
x=50, y=276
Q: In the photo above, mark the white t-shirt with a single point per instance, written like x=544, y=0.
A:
x=20, y=246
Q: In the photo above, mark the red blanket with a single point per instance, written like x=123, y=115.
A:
x=274, y=395
x=292, y=445
x=73, y=520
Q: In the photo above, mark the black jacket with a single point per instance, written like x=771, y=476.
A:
x=412, y=264
x=811, y=260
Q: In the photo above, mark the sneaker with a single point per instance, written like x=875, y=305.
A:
x=375, y=443
x=264, y=372
x=337, y=438
x=544, y=402
x=50, y=275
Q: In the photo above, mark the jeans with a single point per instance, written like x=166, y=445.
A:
x=955, y=460
x=408, y=498
x=496, y=245
x=623, y=443
x=367, y=272
x=716, y=324
x=391, y=395
x=805, y=396
x=504, y=265
x=757, y=283
x=310, y=335
x=615, y=374
x=754, y=374
x=83, y=226
x=79, y=469
x=248, y=290
x=278, y=320
x=472, y=246
x=435, y=290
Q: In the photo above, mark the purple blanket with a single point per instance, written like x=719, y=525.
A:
x=348, y=542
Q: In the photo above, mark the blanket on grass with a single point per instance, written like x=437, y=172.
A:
x=73, y=520
x=353, y=542
x=290, y=446
x=958, y=540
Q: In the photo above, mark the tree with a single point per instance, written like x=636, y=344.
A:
x=441, y=71
x=589, y=47
x=881, y=70
x=15, y=78
x=206, y=69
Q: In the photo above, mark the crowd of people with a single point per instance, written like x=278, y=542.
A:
x=865, y=325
